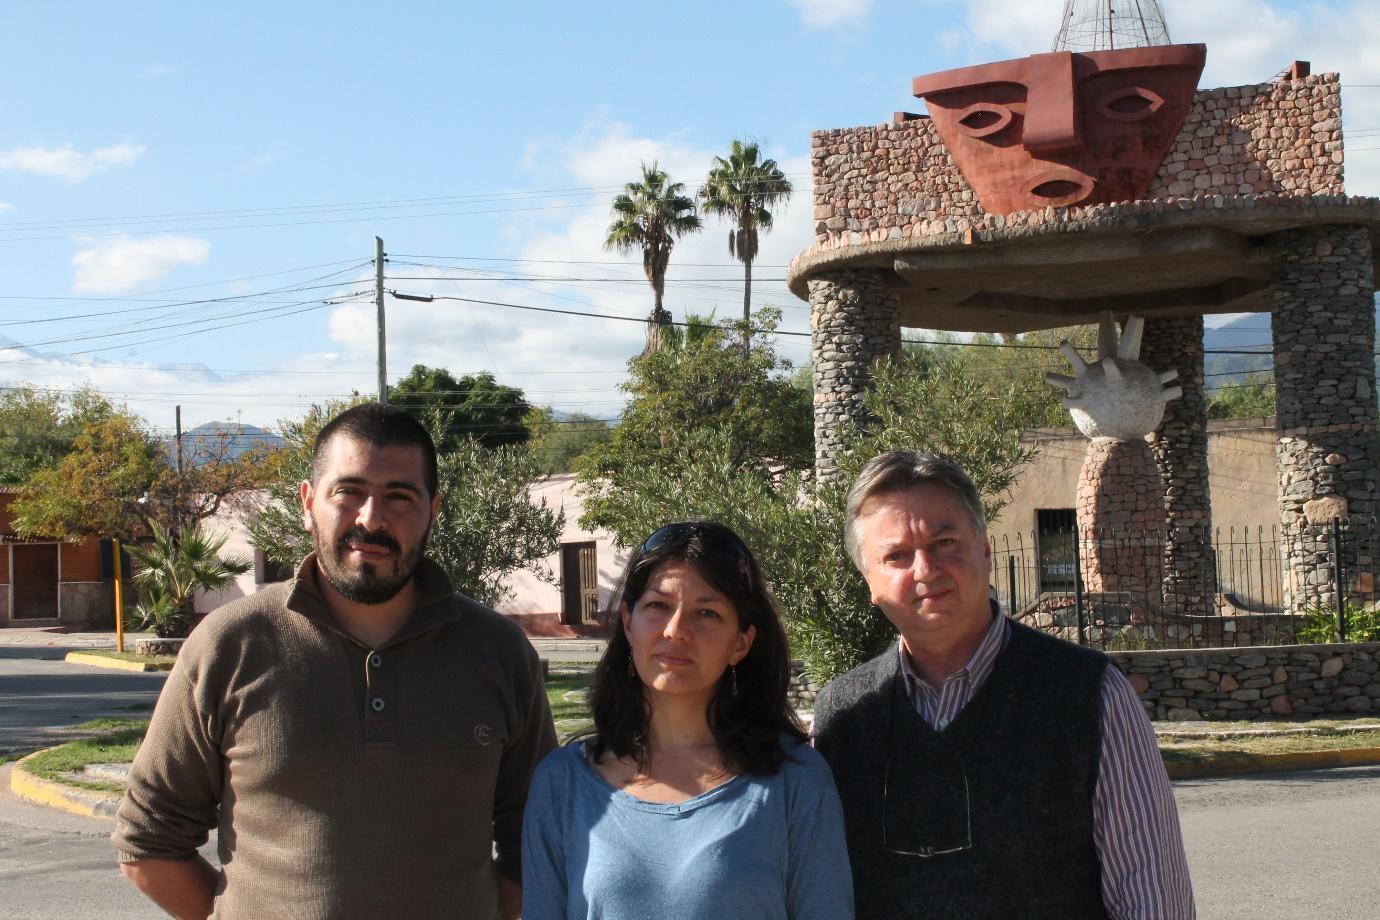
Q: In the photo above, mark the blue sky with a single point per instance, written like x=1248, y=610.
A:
x=154, y=154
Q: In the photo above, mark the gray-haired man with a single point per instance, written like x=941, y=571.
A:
x=986, y=769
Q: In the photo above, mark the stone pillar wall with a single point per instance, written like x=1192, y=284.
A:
x=1121, y=524
x=853, y=321
x=1180, y=449
x=1327, y=454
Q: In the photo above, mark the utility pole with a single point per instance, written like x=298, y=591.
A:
x=177, y=493
x=378, y=300
x=177, y=449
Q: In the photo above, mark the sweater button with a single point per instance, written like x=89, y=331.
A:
x=375, y=660
x=377, y=703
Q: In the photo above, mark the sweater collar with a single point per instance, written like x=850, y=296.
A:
x=435, y=600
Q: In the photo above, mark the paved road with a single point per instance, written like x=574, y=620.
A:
x=1288, y=846
x=41, y=695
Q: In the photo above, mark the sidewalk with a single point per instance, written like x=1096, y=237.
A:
x=59, y=637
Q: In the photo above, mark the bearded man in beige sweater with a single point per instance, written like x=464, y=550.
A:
x=361, y=737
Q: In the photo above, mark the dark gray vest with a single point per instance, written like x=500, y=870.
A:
x=1026, y=748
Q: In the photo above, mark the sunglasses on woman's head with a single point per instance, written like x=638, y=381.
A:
x=715, y=538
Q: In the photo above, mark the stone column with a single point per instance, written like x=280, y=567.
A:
x=1325, y=419
x=1121, y=525
x=853, y=322
x=1180, y=449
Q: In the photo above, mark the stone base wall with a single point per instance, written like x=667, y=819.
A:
x=1327, y=453
x=86, y=605
x=1258, y=683
x=801, y=691
x=1273, y=682
x=1108, y=623
x=853, y=322
x=896, y=181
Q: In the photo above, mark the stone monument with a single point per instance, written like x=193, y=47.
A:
x=1117, y=402
x=1042, y=191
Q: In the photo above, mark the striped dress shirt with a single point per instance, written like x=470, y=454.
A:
x=1135, y=821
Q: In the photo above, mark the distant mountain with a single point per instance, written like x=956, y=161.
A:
x=1246, y=333
x=215, y=440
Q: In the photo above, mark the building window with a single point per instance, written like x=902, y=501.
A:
x=1055, y=532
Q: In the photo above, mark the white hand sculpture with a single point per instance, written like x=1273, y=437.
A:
x=1118, y=397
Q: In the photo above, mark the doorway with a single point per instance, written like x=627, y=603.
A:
x=34, y=569
x=579, y=584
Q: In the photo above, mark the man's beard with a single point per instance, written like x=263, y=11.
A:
x=367, y=584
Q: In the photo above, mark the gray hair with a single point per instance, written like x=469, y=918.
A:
x=898, y=471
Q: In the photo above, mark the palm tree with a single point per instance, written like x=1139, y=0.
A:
x=743, y=189
x=172, y=570
x=650, y=215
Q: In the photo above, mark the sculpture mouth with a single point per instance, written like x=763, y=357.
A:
x=1058, y=188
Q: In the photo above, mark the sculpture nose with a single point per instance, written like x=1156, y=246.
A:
x=1051, y=108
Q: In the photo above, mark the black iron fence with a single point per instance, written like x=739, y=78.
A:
x=1119, y=589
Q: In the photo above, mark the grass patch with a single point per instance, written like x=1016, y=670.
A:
x=1199, y=750
x=570, y=710
x=116, y=742
x=6, y=758
x=163, y=660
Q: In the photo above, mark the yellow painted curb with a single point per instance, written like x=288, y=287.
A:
x=101, y=661
x=1229, y=764
x=88, y=802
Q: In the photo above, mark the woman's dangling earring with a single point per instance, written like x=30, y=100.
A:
x=733, y=680
x=632, y=671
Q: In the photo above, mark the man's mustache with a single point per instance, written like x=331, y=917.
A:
x=358, y=534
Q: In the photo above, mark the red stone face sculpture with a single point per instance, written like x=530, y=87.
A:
x=1063, y=129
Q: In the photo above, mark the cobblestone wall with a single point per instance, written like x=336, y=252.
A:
x=896, y=181
x=1273, y=682
x=853, y=321
x=1259, y=683
x=1180, y=449
x=1327, y=454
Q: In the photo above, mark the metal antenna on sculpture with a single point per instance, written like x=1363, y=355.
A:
x=1105, y=25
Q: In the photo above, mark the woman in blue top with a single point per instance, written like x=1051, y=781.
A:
x=695, y=795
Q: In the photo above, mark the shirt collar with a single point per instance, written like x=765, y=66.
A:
x=435, y=596
x=979, y=666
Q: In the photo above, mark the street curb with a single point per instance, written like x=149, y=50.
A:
x=87, y=802
x=1231, y=764
x=101, y=661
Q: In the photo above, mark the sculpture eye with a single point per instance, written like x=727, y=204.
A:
x=984, y=119
x=1132, y=103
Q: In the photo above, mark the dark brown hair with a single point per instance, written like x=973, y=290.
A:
x=381, y=426
x=747, y=725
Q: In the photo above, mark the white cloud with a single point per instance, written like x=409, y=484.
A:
x=122, y=264
x=151, y=389
x=68, y=163
x=820, y=14
x=5, y=207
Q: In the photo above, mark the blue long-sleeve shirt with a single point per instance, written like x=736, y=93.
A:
x=755, y=847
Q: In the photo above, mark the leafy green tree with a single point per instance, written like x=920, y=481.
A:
x=743, y=189
x=488, y=527
x=172, y=569
x=37, y=428
x=476, y=407
x=796, y=526
x=1252, y=397
x=116, y=480
x=650, y=216
x=556, y=443
x=706, y=385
